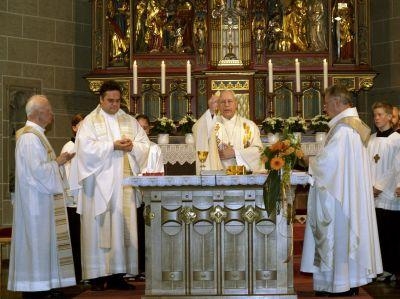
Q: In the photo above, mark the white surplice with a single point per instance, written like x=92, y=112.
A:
x=34, y=254
x=69, y=147
x=383, y=153
x=155, y=160
x=202, y=130
x=341, y=244
x=244, y=136
x=109, y=228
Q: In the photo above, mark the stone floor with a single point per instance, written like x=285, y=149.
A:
x=303, y=285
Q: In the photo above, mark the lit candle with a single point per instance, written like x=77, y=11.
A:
x=325, y=74
x=188, y=78
x=297, y=65
x=270, y=77
x=162, y=77
x=134, y=77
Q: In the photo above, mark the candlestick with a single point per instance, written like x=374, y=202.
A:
x=297, y=66
x=135, y=78
x=325, y=67
x=188, y=78
x=271, y=77
x=163, y=77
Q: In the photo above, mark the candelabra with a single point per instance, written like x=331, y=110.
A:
x=134, y=104
x=189, y=103
x=163, y=98
x=298, y=95
x=269, y=107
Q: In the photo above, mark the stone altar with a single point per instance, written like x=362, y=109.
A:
x=210, y=237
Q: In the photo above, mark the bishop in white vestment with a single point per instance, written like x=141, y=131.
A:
x=341, y=244
x=235, y=140
x=41, y=256
x=110, y=145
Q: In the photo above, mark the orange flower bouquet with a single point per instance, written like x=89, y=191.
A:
x=279, y=159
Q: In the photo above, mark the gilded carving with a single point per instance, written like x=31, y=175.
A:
x=94, y=85
x=165, y=27
x=218, y=214
x=148, y=215
x=250, y=215
x=343, y=30
x=230, y=84
x=187, y=215
x=366, y=83
x=118, y=17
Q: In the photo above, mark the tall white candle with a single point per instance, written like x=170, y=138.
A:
x=188, y=78
x=163, y=77
x=325, y=64
x=297, y=65
x=135, y=77
x=270, y=77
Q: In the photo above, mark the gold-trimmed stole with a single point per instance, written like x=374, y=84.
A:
x=63, y=241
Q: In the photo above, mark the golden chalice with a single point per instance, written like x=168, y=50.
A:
x=202, y=155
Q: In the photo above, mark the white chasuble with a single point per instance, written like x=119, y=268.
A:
x=41, y=257
x=341, y=244
x=244, y=136
x=107, y=208
x=202, y=131
x=384, y=155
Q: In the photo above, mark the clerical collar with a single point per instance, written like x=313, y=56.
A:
x=384, y=133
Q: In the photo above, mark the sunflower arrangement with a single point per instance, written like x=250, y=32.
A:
x=279, y=159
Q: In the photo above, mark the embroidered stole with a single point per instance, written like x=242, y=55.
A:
x=126, y=130
x=63, y=241
x=357, y=124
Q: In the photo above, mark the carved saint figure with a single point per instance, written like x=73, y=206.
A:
x=259, y=33
x=140, y=29
x=343, y=14
x=118, y=18
x=154, y=24
x=317, y=28
x=200, y=35
x=295, y=25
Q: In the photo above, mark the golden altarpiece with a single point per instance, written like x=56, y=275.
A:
x=229, y=44
x=209, y=236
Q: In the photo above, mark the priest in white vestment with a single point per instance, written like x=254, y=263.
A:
x=74, y=220
x=235, y=140
x=155, y=164
x=110, y=145
x=384, y=153
x=202, y=129
x=41, y=256
x=341, y=244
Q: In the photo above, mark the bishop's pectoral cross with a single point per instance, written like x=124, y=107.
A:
x=376, y=158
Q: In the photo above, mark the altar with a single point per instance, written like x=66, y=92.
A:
x=210, y=237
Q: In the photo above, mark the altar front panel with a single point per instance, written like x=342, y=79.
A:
x=212, y=239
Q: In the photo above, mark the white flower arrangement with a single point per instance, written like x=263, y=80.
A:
x=163, y=125
x=319, y=123
x=273, y=125
x=186, y=123
x=296, y=124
